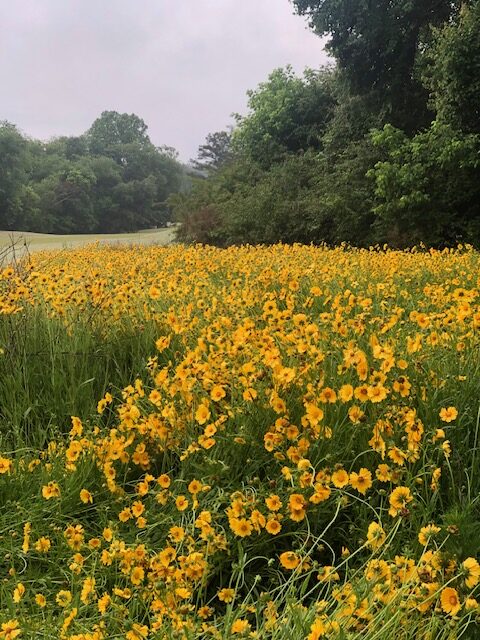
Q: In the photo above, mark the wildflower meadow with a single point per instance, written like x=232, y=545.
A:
x=257, y=442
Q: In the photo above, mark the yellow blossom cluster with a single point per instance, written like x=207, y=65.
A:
x=294, y=437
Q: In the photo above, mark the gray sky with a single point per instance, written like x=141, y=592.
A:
x=182, y=65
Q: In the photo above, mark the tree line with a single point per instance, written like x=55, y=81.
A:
x=110, y=179
x=381, y=146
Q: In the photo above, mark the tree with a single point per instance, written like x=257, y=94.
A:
x=215, y=153
x=110, y=179
x=13, y=154
x=376, y=44
x=351, y=154
x=353, y=117
x=66, y=198
x=453, y=71
x=288, y=114
x=345, y=196
x=299, y=199
x=108, y=176
x=112, y=130
x=69, y=147
x=427, y=188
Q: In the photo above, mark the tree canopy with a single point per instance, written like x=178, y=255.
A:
x=376, y=45
x=384, y=146
x=215, y=153
x=287, y=114
x=452, y=70
x=110, y=179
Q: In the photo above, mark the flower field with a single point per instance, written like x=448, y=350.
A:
x=274, y=443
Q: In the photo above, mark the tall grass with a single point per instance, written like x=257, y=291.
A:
x=49, y=372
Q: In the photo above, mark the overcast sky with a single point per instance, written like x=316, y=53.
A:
x=182, y=65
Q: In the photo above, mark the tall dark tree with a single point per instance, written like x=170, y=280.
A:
x=215, y=153
x=453, y=70
x=376, y=43
x=13, y=153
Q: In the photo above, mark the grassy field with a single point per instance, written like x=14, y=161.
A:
x=273, y=443
x=24, y=241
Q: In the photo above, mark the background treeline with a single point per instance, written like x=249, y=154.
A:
x=110, y=179
x=383, y=146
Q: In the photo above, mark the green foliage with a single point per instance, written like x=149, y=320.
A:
x=282, y=183
x=346, y=195
x=215, y=153
x=353, y=118
x=288, y=114
x=453, y=73
x=277, y=206
x=302, y=165
x=306, y=165
x=111, y=179
x=376, y=47
x=112, y=131
x=427, y=187
x=12, y=172
x=304, y=199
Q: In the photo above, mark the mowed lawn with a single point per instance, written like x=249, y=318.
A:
x=25, y=241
